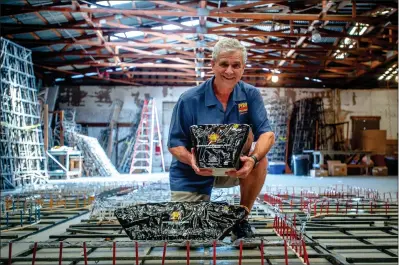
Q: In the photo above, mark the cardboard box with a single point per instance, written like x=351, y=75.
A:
x=330, y=163
x=392, y=147
x=339, y=170
x=374, y=141
x=380, y=171
x=318, y=173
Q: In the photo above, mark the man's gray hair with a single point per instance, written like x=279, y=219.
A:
x=229, y=44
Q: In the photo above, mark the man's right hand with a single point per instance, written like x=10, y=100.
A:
x=207, y=172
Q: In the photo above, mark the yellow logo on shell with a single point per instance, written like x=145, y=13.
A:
x=175, y=216
x=213, y=137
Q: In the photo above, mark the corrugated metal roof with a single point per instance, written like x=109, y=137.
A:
x=72, y=57
x=301, y=22
x=212, y=37
x=7, y=20
x=54, y=17
x=259, y=51
x=78, y=66
x=47, y=34
x=42, y=49
x=338, y=29
x=267, y=28
x=129, y=21
x=57, y=47
x=68, y=33
x=13, y=2
x=29, y=18
x=66, y=67
x=77, y=16
x=328, y=40
x=24, y=36
x=45, y=2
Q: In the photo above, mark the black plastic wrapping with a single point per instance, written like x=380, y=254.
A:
x=219, y=146
x=176, y=221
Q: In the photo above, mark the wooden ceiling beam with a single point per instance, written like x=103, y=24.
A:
x=178, y=80
x=142, y=52
x=121, y=81
x=155, y=73
x=288, y=17
x=46, y=23
x=250, y=32
x=142, y=65
x=209, y=74
x=257, y=82
x=178, y=45
x=113, y=11
x=99, y=33
x=69, y=17
x=164, y=21
x=245, y=6
x=297, y=35
x=263, y=75
x=372, y=65
x=173, y=37
x=46, y=55
x=173, y=5
x=74, y=25
x=212, y=13
x=191, y=30
x=300, y=41
x=307, y=69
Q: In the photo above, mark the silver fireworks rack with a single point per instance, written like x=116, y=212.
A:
x=22, y=156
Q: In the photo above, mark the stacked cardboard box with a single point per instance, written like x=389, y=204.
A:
x=336, y=168
x=318, y=173
x=374, y=141
x=380, y=171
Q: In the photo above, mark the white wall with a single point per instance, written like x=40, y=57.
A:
x=375, y=102
x=95, y=104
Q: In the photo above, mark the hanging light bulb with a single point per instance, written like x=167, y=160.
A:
x=274, y=78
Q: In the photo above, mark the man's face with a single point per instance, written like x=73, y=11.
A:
x=228, y=68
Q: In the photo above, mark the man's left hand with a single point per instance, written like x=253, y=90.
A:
x=243, y=172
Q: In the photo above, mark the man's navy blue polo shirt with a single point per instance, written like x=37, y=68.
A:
x=198, y=106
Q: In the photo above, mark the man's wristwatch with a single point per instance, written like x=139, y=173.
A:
x=255, y=159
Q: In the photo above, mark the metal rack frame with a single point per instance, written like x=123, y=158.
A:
x=22, y=160
x=281, y=237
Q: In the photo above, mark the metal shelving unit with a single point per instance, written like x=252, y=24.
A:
x=65, y=163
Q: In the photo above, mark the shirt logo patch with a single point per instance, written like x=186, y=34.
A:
x=243, y=107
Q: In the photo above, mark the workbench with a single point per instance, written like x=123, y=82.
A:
x=318, y=158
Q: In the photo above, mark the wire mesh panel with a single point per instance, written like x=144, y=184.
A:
x=22, y=157
x=278, y=112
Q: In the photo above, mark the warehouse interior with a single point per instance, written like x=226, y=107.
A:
x=88, y=90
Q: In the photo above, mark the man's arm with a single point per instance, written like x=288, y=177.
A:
x=184, y=156
x=181, y=154
x=179, y=133
x=263, y=145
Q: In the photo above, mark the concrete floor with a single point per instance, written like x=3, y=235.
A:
x=382, y=184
